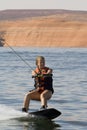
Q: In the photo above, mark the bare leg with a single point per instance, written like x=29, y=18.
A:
x=33, y=95
x=45, y=95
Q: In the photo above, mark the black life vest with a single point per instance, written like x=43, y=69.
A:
x=43, y=81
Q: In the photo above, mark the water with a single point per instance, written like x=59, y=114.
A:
x=70, y=85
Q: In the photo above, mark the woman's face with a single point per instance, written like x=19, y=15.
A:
x=41, y=63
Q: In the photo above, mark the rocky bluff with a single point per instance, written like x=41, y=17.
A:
x=43, y=28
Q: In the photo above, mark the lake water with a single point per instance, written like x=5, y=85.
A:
x=70, y=84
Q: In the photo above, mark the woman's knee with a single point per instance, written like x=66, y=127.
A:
x=28, y=95
x=46, y=95
x=43, y=95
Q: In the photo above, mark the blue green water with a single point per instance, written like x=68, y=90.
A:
x=70, y=85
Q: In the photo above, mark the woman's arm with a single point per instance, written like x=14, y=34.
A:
x=33, y=73
x=49, y=71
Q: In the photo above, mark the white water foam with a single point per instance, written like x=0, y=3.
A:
x=7, y=113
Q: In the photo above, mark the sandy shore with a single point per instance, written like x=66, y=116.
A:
x=48, y=31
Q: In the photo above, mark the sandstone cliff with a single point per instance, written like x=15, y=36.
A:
x=58, y=30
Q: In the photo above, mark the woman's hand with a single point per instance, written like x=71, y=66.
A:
x=49, y=71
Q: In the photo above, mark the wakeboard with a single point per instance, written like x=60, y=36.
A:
x=50, y=113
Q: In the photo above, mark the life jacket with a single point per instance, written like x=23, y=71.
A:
x=43, y=81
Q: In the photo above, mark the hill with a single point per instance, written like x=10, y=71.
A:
x=43, y=28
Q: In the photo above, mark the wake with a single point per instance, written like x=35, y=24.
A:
x=7, y=113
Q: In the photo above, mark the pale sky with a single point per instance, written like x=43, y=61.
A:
x=44, y=4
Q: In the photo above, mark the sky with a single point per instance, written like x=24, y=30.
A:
x=44, y=4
